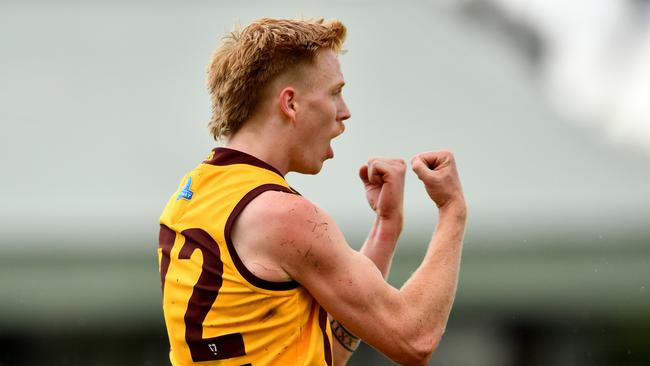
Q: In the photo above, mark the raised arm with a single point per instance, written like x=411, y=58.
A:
x=404, y=324
x=383, y=180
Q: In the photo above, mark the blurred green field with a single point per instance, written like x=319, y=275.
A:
x=513, y=303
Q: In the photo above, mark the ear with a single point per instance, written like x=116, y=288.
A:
x=288, y=103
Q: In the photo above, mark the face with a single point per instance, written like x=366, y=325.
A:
x=320, y=113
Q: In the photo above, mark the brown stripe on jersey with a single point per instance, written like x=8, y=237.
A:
x=204, y=294
x=165, y=242
x=248, y=275
x=322, y=323
x=225, y=156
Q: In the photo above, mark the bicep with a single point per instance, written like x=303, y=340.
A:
x=346, y=283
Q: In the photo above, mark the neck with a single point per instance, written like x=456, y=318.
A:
x=264, y=145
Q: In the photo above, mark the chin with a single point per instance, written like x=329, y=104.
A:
x=313, y=169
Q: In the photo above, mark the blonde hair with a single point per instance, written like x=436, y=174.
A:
x=250, y=58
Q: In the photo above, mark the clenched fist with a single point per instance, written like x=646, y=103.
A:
x=384, y=182
x=437, y=170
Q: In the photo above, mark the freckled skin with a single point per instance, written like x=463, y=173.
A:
x=295, y=240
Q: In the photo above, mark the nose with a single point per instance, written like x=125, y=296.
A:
x=344, y=112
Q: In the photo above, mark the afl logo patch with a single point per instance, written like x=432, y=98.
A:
x=186, y=193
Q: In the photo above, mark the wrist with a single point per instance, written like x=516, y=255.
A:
x=395, y=220
x=456, y=209
x=387, y=229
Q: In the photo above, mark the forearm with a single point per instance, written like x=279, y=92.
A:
x=346, y=342
x=421, y=308
x=379, y=248
x=380, y=244
x=431, y=290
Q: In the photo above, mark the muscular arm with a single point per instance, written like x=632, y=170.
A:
x=380, y=244
x=379, y=248
x=405, y=324
x=383, y=180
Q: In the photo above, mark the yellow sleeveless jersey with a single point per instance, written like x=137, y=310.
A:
x=216, y=311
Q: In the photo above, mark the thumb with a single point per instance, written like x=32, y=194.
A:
x=419, y=167
x=363, y=174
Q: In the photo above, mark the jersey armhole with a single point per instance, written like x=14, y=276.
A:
x=241, y=268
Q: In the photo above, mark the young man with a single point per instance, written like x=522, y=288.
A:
x=250, y=269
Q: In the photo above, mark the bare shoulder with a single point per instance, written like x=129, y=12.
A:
x=276, y=210
x=283, y=214
x=296, y=232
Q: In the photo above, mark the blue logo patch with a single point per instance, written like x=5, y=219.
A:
x=186, y=193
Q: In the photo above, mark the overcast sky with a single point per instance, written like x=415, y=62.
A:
x=594, y=60
x=103, y=109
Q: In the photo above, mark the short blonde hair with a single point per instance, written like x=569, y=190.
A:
x=250, y=58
